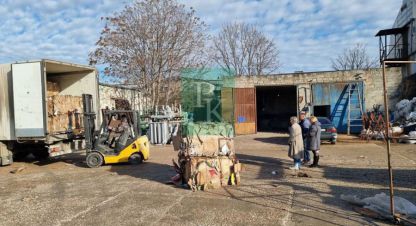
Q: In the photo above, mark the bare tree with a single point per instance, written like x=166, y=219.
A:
x=245, y=49
x=353, y=59
x=148, y=43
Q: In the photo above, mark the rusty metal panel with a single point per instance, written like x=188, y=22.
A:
x=245, y=110
x=245, y=128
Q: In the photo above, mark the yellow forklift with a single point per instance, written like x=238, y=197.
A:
x=118, y=139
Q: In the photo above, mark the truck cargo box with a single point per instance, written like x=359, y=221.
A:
x=41, y=100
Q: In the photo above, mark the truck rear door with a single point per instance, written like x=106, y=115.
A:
x=28, y=99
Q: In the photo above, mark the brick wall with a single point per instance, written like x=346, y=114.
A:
x=373, y=82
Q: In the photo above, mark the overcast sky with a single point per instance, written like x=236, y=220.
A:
x=308, y=32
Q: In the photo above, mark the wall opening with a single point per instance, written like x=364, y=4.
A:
x=322, y=111
x=275, y=105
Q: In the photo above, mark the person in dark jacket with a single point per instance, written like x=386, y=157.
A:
x=305, y=124
x=315, y=140
x=125, y=130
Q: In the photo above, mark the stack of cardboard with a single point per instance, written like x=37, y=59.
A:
x=63, y=104
x=206, y=156
x=63, y=111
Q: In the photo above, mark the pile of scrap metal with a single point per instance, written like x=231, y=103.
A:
x=163, y=124
x=373, y=124
x=206, y=156
x=403, y=126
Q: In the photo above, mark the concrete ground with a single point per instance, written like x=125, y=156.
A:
x=64, y=192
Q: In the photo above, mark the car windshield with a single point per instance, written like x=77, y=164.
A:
x=324, y=121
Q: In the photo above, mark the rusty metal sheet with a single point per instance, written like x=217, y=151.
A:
x=245, y=110
x=245, y=128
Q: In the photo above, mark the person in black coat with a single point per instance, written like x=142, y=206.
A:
x=305, y=124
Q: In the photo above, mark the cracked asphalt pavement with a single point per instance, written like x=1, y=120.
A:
x=63, y=191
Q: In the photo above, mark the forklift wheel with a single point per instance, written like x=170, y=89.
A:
x=135, y=159
x=94, y=159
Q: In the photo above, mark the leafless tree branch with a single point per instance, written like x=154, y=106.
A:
x=148, y=44
x=245, y=49
x=353, y=59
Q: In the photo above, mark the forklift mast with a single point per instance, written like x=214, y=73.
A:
x=89, y=121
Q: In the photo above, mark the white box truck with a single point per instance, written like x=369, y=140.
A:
x=24, y=106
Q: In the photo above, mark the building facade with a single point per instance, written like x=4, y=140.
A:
x=120, y=97
x=399, y=44
x=265, y=103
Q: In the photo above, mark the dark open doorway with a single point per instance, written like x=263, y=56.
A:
x=322, y=111
x=275, y=105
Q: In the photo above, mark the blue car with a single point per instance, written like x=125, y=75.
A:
x=328, y=130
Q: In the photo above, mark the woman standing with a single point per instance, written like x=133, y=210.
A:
x=295, y=143
x=315, y=140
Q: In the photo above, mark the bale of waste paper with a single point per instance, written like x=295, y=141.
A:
x=202, y=173
x=64, y=113
x=206, y=155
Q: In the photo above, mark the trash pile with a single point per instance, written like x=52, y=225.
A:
x=379, y=205
x=405, y=111
x=206, y=156
x=373, y=124
x=404, y=125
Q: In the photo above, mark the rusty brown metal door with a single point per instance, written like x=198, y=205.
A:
x=245, y=111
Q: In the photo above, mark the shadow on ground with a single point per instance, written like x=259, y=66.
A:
x=273, y=140
x=267, y=165
x=308, y=196
x=404, y=178
x=76, y=158
x=317, y=211
x=147, y=170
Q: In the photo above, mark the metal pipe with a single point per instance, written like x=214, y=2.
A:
x=400, y=62
x=349, y=109
x=386, y=107
x=387, y=131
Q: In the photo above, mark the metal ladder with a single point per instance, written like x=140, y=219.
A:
x=354, y=90
x=339, y=109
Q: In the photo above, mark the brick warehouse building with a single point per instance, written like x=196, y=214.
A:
x=265, y=103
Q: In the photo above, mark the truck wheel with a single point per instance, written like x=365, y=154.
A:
x=94, y=159
x=135, y=159
x=333, y=142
